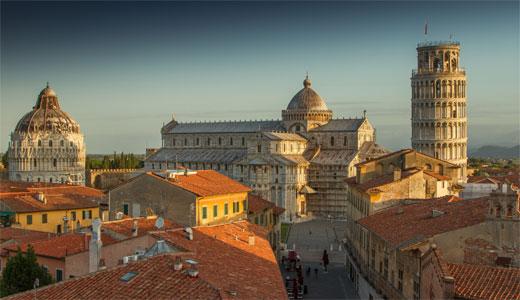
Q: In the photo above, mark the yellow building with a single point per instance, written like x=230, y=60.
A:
x=191, y=198
x=52, y=208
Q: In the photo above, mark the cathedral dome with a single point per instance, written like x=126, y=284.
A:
x=307, y=99
x=47, y=116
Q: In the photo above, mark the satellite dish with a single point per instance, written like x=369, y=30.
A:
x=159, y=223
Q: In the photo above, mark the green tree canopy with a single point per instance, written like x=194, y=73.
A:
x=21, y=272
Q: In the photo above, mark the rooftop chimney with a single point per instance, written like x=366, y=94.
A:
x=135, y=227
x=40, y=196
x=397, y=174
x=251, y=240
x=189, y=233
x=178, y=264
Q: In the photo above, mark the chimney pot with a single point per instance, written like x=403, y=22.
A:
x=397, y=174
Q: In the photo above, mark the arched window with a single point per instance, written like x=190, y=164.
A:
x=50, y=143
x=209, y=141
x=438, y=89
x=243, y=141
x=62, y=143
x=39, y=143
x=197, y=141
x=332, y=141
x=231, y=141
x=219, y=141
x=55, y=162
x=509, y=212
x=35, y=162
x=259, y=148
x=344, y=140
x=50, y=180
x=185, y=142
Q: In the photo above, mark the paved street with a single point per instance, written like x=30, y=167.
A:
x=310, y=239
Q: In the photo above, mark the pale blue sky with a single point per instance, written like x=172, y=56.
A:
x=122, y=68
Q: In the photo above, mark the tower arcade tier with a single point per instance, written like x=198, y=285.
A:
x=439, y=123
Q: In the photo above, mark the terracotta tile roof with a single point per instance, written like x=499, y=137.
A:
x=155, y=279
x=414, y=222
x=206, y=183
x=57, y=246
x=123, y=228
x=485, y=282
x=227, y=261
x=20, y=197
x=482, y=179
x=22, y=235
x=399, y=152
x=379, y=181
x=257, y=204
x=436, y=175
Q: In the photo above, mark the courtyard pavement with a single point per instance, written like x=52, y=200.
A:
x=310, y=238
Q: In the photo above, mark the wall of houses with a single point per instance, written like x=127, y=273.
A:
x=165, y=199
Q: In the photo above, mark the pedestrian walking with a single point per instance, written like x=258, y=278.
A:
x=325, y=260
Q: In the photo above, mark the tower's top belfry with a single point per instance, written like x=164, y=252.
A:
x=439, y=123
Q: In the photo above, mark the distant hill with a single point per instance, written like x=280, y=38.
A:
x=491, y=151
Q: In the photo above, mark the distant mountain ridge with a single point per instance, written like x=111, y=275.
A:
x=492, y=151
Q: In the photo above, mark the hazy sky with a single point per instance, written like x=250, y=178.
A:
x=122, y=68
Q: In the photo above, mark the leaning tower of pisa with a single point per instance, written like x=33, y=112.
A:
x=439, y=123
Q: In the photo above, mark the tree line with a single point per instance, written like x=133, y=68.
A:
x=116, y=161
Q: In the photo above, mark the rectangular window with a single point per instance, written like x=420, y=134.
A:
x=73, y=215
x=126, y=208
x=90, y=214
x=83, y=214
x=215, y=211
x=44, y=218
x=244, y=205
x=226, y=208
x=29, y=219
x=204, y=212
x=59, y=275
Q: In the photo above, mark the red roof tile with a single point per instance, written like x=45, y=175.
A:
x=206, y=183
x=436, y=175
x=227, y=261
x=379, y=181
x=22, y=235
x=57, y=247
x=485, y=282
x=258, y=204
x=144, y=225
x=414, y=222
x=155, y=279
x=21, y=197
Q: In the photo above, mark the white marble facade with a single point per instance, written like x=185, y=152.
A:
x=47, y=145
x=281, y=160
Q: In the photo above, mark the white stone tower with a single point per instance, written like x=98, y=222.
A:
x=439, y=123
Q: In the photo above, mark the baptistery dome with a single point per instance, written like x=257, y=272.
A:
x=47, y=145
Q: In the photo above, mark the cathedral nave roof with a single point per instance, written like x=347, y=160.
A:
x=341, y=125
x=223, y=156
x=284, y=136
x=228, y=127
